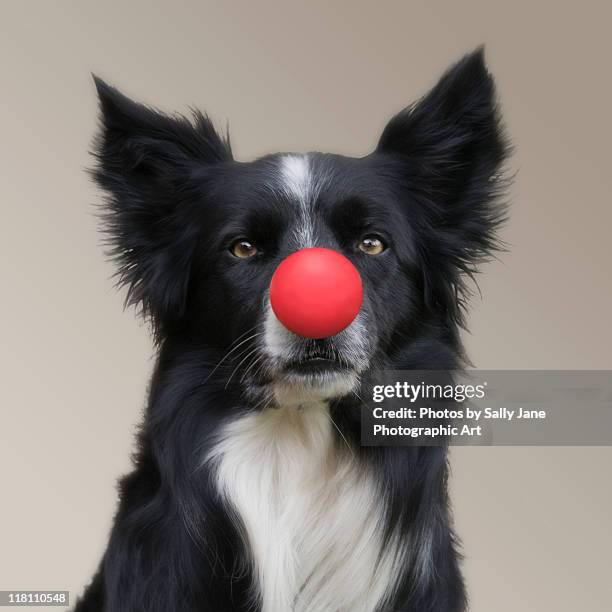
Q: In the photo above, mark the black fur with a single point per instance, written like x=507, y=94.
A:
x=176, y=202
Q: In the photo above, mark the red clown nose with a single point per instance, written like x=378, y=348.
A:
x=316, y=293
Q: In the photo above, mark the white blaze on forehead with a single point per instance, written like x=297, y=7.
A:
x=297, y=182
x=296, y=175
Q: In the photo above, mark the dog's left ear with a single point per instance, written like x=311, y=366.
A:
x=144, y=163
x=448, y=150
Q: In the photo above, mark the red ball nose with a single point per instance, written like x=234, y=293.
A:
x=316, y=293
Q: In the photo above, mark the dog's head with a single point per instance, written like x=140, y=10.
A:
x=198, y=235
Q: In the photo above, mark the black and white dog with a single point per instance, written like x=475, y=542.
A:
x=250, y=489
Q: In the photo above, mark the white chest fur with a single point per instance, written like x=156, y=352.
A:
x=311, y=514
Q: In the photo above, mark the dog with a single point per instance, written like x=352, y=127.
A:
x=250, y=489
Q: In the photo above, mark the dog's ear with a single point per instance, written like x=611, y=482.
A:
x=448, y=149
x=144, y=160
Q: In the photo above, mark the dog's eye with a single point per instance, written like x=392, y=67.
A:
x=243, y=249
x=372, y=245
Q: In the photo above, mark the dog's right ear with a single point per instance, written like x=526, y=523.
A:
x=144, y=159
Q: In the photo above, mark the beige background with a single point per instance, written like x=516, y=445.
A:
x=535, y=522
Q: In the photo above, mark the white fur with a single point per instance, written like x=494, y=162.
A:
x=311, y=514
x=351, y=343
x=298, y=183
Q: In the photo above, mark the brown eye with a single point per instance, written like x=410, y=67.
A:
x=372, y=245
x=243, y=249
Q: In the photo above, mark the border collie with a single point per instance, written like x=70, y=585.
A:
x=250, y=489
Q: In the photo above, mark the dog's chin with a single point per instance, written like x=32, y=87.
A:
x=295, y=386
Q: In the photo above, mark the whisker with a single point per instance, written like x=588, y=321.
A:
x=359, y=398
x=229, y=353
x=341, y=434
x=253, y=351
x=241, y=353
x=262, y=356
x=246, y=332
x=263, y=366
x=267, y=396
